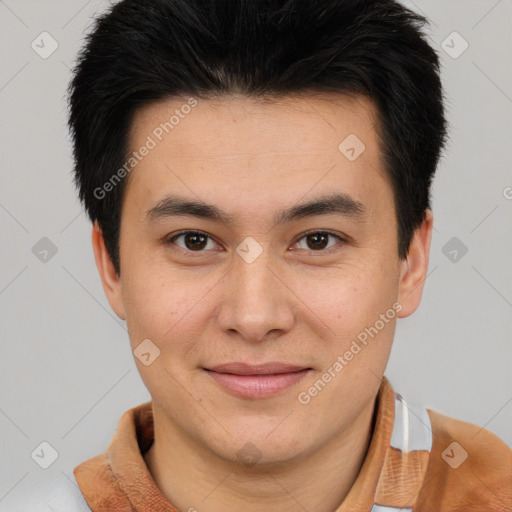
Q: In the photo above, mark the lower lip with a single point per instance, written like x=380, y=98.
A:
x=257, y=386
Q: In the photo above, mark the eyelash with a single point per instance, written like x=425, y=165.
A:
x=170, y=241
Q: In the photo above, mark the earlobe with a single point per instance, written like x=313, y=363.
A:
x=414, y=268
x=109, y=279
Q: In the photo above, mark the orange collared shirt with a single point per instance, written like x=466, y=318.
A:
x=418, y=460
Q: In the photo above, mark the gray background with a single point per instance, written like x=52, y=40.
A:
x=67, y=373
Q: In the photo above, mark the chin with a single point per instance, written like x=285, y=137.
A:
x=266, y=449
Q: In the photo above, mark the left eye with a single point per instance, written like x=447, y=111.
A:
x=318, y=240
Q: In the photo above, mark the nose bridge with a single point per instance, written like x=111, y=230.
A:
x=256, y=302
x=254, y=278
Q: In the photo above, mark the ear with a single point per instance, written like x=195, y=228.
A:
x=414, y=268
x=109, y=279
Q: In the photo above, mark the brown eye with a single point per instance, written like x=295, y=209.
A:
x=319, y=241
x=194, y=241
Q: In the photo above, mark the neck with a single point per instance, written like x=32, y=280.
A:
x=192, y=477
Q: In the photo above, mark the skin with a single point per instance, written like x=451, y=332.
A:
x=296, y=303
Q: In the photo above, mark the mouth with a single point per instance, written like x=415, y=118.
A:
x=256, y=381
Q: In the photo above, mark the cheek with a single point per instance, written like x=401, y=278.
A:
x=348, y=297
x=163, y=310
x=171, y=308
x=350, y=304
x=154, y=304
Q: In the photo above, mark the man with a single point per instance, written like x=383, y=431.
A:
x=258, y=177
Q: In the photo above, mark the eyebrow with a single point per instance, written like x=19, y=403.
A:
x=340, y=204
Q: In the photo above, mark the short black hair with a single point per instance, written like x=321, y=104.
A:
x=139, y=52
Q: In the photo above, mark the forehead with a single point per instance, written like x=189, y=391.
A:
x=243, y=149
x=299, y=116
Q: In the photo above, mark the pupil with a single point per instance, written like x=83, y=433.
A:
x=193, y=238
x=316, y=236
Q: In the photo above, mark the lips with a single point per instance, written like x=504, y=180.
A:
x=272, y=368
x=256, y=381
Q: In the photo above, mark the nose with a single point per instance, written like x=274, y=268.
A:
x=256, y=304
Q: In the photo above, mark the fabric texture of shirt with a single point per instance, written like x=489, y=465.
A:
x=417, y=460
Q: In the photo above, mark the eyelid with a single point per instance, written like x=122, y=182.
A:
x=169, y=240
x=328, y=231
x=339, y=236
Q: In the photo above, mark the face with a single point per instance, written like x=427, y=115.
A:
x=255, y=276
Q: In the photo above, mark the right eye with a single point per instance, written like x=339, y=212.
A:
x=191, y=241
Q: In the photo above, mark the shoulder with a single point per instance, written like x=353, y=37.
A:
x=469, y=467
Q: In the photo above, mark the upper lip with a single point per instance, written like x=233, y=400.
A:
x=239, y=368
